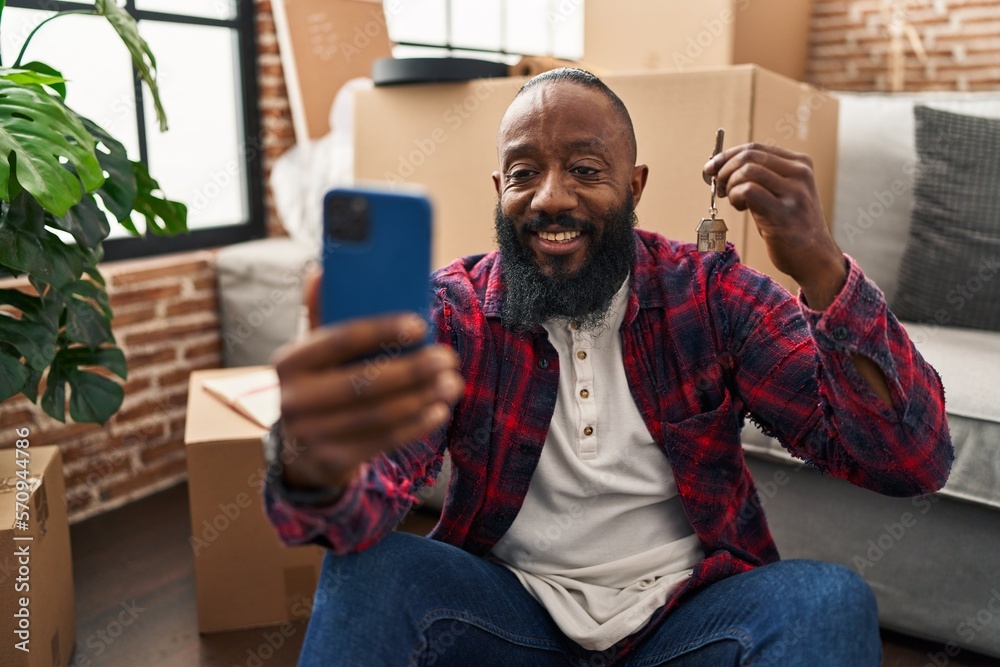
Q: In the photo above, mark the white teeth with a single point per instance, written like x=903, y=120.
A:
x=559, y=237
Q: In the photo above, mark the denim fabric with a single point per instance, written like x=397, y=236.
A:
x=409, y=600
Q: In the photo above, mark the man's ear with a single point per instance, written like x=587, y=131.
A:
x=638, y=182
x=496, y=181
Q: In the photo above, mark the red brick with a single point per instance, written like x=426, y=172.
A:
x=171, y=448
x=212, y=347
x=149, y=358
x=53, y=435
x=98, y=470
x=143, y=313
x=135, y=386
x=144, y=295
x=160, y=406
x=140, y=435
x=134, y=276
x=208, y=304
x=173, y=332
x=16, y=418
x=204, y=283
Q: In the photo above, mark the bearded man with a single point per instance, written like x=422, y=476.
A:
x=590, y=382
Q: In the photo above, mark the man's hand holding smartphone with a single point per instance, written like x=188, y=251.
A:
x=337, y=414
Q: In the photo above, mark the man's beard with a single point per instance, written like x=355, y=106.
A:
x=584, y=296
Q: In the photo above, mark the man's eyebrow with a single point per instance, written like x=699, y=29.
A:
x=590, y=144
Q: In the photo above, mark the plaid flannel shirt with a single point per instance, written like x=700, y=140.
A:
x=706, y=341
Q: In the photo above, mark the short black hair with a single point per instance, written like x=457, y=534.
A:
x=588, y=80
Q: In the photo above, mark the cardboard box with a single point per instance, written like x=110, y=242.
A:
x=244, y=576
x=36, y=563
x=444, y=137
x=679, y=36
x=325, y=43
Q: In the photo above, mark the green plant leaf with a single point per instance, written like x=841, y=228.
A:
x=119, y=189
x=31, y=77
x=64, y=260
x=96, y=293
x=142, y=56
x=30, y=388
x=162, y=215
x=54, y=398
x=87, y=325
x=23, y=253
x=111, y=358
x=44, y=311
x=35, y=342
x=94, y=398
x=40, y=130
x=58, y=86
x=86, y=222
x=13, y=376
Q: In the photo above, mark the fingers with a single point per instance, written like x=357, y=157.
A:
x=332, y=462
x=755, y=161
x=374, y=420
x=337, y=344
x=368, y=381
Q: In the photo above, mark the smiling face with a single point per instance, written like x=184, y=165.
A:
x=567, y=189
x=565, y=154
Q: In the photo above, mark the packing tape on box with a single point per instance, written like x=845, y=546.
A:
x=9, y=484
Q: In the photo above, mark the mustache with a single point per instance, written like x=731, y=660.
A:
x=565, y=221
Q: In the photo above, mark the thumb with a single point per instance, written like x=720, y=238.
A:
x=311, y=296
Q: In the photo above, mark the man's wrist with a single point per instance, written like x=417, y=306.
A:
x=290, y=487
x=821, y=288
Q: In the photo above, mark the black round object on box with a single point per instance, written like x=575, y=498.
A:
x=393, y=71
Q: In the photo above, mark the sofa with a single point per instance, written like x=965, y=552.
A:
x=933, y=562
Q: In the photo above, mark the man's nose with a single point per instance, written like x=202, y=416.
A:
x=554, y=195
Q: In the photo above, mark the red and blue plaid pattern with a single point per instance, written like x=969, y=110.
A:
x=706, y=342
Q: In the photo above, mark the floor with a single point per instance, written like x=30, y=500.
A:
x=135, y=564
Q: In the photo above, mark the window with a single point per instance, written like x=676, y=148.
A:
x=495, y=29
x=210, y=158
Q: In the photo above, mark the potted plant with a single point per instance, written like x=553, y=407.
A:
x=61, y=171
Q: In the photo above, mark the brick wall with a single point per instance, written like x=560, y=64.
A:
x=849, y=49
x=276, y=116
x=167, y=325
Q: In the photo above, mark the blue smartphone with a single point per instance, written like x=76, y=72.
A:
x=376, y=254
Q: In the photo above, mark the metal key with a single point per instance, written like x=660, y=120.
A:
x=712, y=230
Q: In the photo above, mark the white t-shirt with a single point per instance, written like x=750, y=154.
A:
x=601, y=539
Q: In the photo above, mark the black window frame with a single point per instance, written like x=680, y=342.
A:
x=252, y=147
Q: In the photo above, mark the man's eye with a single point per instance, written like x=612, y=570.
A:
x=519, y=174
x=585, y=171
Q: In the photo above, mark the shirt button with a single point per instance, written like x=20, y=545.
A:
x=584, y=393
x=500, y=518
x=589, y=430
x=543, y=363
x=581, y=355
x=840, y=333
x=525, y=447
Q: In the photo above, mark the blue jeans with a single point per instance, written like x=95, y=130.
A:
x=413, y=601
